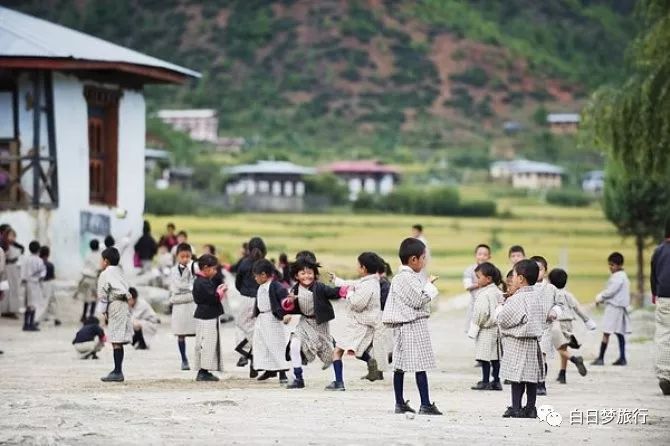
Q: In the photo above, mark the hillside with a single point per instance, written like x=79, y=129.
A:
x=370, y=78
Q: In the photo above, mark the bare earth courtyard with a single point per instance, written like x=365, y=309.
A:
x=48, y=396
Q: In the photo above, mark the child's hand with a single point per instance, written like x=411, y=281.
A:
x=332, y=276
x=599, y=299
x=590, y=325
x=433, y=279
x=287, y=319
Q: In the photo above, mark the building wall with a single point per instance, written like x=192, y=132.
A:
x=536, y=181
x=60, y=228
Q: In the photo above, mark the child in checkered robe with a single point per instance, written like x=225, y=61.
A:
x=88, y=284
x=553, y=307
x=269, y=341
x=182, y=277
x=363, y=314
x=616, y=298
x=470, y=281
x=483, y=328
x=563, y=337
x=520, y=320
x=33, y=271
x=113, y=292
x=407, y=310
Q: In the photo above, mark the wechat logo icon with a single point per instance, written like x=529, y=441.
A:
x=548, y=414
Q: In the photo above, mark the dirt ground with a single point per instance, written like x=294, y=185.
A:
x=48, y=396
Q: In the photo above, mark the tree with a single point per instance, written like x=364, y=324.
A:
x=638, y=206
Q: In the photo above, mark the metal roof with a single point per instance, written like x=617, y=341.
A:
x=562, y=118
x=22, y=35
x=187, y=113
x=156, y=153
x=362, y=166
x=270, y=167
x=526, y=166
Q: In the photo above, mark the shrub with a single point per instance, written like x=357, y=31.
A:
x=481, y=208
x=568, y=198
x=329, y=186
x=170, y=201
x=474, y=76
x=365, y=202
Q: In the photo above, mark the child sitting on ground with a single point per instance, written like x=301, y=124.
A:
x=85, y=340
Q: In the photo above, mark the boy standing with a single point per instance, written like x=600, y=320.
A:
x=516, y=253
x=520, y=320
x=33, y=271
x=113, y=294
x=616, y=297
x=470, y=281
x=407, y=310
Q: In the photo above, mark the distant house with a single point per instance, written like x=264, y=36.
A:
x=156, y=159
x=594, y=182
x=365, y=176
x=201, y=124
x=525, y=174
x=563, y=123
x=72, y=136
x=268, y=185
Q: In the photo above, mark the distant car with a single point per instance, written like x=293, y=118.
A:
x=594, y=182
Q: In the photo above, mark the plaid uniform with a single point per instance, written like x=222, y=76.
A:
x=363, y=313
x=616, y=297
x=12, y=300
x=315, y=339
x=113, y=294
x=269, y=345
x=520, y=320
x=208, y=353
x=662, y=337
x=181, y=298
x=245, y=320
x=88, y=284
x=550, y=299
x=34, y=270
x=407, y=310
x=486, y=343
x=144, y=315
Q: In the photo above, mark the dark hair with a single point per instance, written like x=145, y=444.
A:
x=488, y=269
x=45, y=251
x=418, y=228
x=109, y=241
x=540, y=259
x=146, y=227
x=94, y=244
x=370, y=261
x=257, y=249
x=410, y=247
x=211, y=248
x=133, y=292
x=171, y=225
x=34, y=247
x=92, y=320
x=3, y=228
x=111, y=255
x=283, y=258
x=301, y=263
x=206, y=260
x=558, y=278
x=184, y=247
x=528, y=269
x=383, y=267
x=182, y=233
x=263, y=266
x=483, y=245
x=309, y=255
x=510, y=273
x=615, y=258
x=516, y=248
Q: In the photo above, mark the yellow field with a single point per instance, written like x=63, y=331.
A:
x=578, y=239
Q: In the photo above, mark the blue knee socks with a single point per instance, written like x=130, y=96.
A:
x=337, y=368
x=297, y=372
x=422, y=384
x=182, y=349
x=622, y=346
x=398, y=381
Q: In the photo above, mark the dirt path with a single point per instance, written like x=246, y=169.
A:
x=47, y=396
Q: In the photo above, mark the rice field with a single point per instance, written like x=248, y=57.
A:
x=578, y=239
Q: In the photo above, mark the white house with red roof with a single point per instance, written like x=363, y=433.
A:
x=369, y=176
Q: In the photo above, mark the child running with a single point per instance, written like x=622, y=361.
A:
x=181, y=298
x=484, y=328
x=407, y=310
x=269, y=344
x=363, y=313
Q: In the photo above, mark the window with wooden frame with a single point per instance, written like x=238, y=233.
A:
x=103, y=128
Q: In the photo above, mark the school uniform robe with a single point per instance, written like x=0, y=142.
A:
x=469, y=280
x=33, y=271
x=247, y=287
x=616, y=297
x=88, y=284
x=363, y=313
x=181, y=298
x=113, y=297
x=551, y=303
x=143, y=314
x=407, y=310
x=270, y=340
x=571, y=311
x=208, y=352
x=483, y=317
x=521, y=319
x=12, y=300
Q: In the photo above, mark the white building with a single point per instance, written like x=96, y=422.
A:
x=561, y=123
x=594, y=182
x=201, y=124
x=525, y=174
x=72, y=135
x=365, y=176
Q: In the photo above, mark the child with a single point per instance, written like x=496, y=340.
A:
x=50, y=304
x=311, y=299
x=269, y=344
x=553, y=308
x=181, y=298
x=113, y=294
x=11, y=303
x=182, y=237
x=219, y=279
x=145, y=320
x=616, y=297
x=520, y=320
x=363, y=313
x=516, y=253
x=84, y=341
x=563, y=338
x=283, y=267
x=470, y=280
x=165, y=262
x=88, y=284
x=208, y=298
x=483, y=327
x=146, y=248
x=33, y=271
x=407, y=310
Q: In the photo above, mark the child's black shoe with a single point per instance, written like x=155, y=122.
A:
x=429, y=410
x=513, y=413
x=335, y=385
x=541, y=389
x=296, y=384
x=598, y=361
x=578, y=361
x=242, y=362
x=185, y=365
x=57, y=322
x=282, y=378
x=204, y=375
x=495, y=385
x=113, y=377
x=404, y=408
x=620, y=361
x=267, y=375
x=529, y=412
x=94, y=356
x=561, y=378
x=664, y=384
x=481, y=385
x=253, y=373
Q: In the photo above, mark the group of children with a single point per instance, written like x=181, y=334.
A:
x=517, y=324
x=27, y=284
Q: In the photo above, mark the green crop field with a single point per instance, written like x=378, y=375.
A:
x=579, y=239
